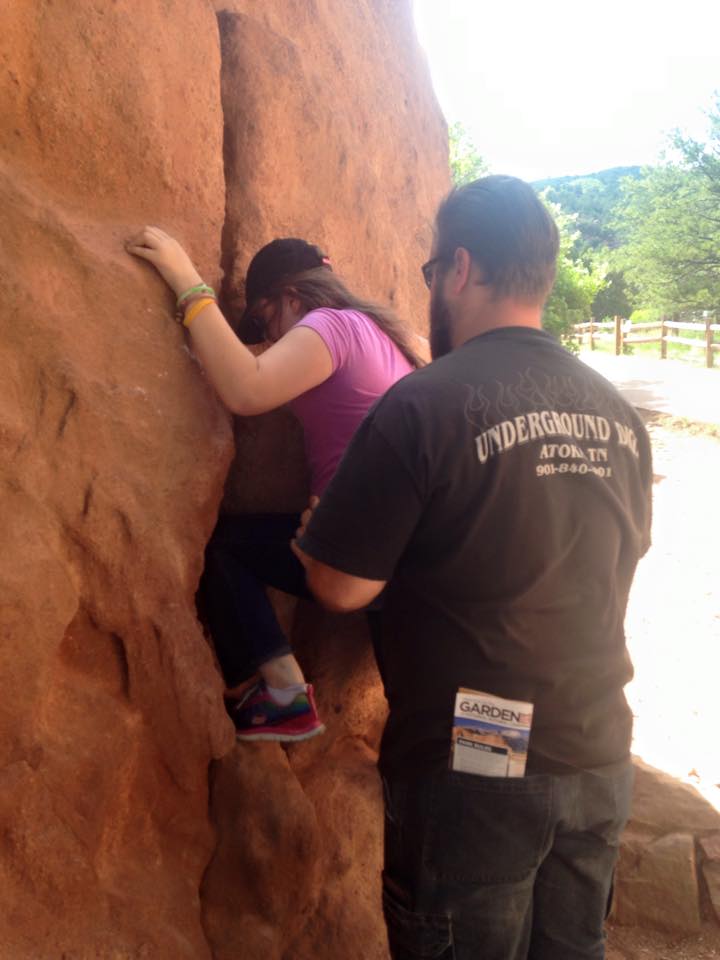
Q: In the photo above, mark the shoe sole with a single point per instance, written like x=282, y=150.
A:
x=281, y=737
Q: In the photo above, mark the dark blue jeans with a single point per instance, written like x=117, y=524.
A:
x=245, y=554
x=485, y=868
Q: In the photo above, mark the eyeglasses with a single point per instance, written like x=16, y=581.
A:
x=428, y=270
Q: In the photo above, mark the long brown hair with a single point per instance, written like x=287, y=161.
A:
x=323, y=288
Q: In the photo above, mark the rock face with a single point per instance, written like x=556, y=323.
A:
x=115, y=454
x=330, y=136
x=659, y=884
x=317, y=820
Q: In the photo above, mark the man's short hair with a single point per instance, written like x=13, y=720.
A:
x=507, y=230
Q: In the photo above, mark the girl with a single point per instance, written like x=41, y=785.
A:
x=332, y=356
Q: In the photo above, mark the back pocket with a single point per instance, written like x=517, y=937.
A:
x=488, y=829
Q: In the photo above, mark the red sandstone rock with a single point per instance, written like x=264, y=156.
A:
x=114, y=454
x=331, y=133
x=338, y=772
x=327, y=810
x=263, y=884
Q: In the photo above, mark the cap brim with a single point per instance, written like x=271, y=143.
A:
x=248, y=330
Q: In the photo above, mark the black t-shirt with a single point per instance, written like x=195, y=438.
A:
x=504, y=491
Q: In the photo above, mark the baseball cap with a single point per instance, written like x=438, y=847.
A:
x=268, y=268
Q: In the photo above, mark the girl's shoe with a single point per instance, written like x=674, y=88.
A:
x=258, y=717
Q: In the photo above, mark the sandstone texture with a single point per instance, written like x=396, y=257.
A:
x=663, y=804
x=332, y=133
x=124, y=833
x=711, y=875
x=314, y=850
x=659, y=885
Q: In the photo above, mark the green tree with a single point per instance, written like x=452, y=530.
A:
x=466, y=163
x=613, y=299
x=594, y=199
x=671, y=219
x=578, y=280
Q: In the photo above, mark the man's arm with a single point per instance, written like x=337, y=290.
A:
x=352, y=540
x=338, y=591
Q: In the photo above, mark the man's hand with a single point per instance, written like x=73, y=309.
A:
x=306, y=515
x=167, y=256
x=336, y=590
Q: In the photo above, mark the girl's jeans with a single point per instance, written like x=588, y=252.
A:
x=245, y=554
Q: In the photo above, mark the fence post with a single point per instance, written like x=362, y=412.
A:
x=592, y=339
x=708, y=342
x=618, y=336
x=663, y=341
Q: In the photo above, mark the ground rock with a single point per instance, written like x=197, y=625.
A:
x=656, y=883
x=311, y=813
x=262, y=884
x=663, y=804
x=338, y=772
x=710, y=847
x=711, y=874
x=657, y=878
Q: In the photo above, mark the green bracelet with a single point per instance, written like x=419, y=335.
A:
x=200, y=288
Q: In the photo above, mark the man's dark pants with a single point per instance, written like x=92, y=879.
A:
x=486, y=868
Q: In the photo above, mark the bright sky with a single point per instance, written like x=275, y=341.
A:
x=561, y=87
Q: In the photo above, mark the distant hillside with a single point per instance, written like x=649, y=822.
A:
x=593, y=198
x=610, y=176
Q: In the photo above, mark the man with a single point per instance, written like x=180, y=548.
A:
x=503, y=494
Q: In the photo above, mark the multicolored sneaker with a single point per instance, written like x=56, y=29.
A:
x=258, y=717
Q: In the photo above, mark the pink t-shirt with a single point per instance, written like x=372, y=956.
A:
x=365, y=363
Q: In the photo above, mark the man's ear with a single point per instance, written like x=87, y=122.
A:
x=461, y=269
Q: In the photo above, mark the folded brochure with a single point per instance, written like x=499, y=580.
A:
x=490, y=735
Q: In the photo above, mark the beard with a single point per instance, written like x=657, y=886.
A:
x=440, y=325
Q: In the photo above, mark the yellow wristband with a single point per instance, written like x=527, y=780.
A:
x=195, y=309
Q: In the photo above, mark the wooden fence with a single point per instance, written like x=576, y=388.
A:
x=621, y=332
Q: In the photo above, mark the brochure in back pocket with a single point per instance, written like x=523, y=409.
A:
x=490, y=735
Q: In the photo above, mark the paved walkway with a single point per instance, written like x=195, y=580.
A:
x=666, y=386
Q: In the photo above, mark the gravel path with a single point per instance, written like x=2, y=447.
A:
x=673, y=621
x=673, y=387
x=673, y=633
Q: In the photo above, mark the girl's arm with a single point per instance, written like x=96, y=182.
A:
x=245, y=383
